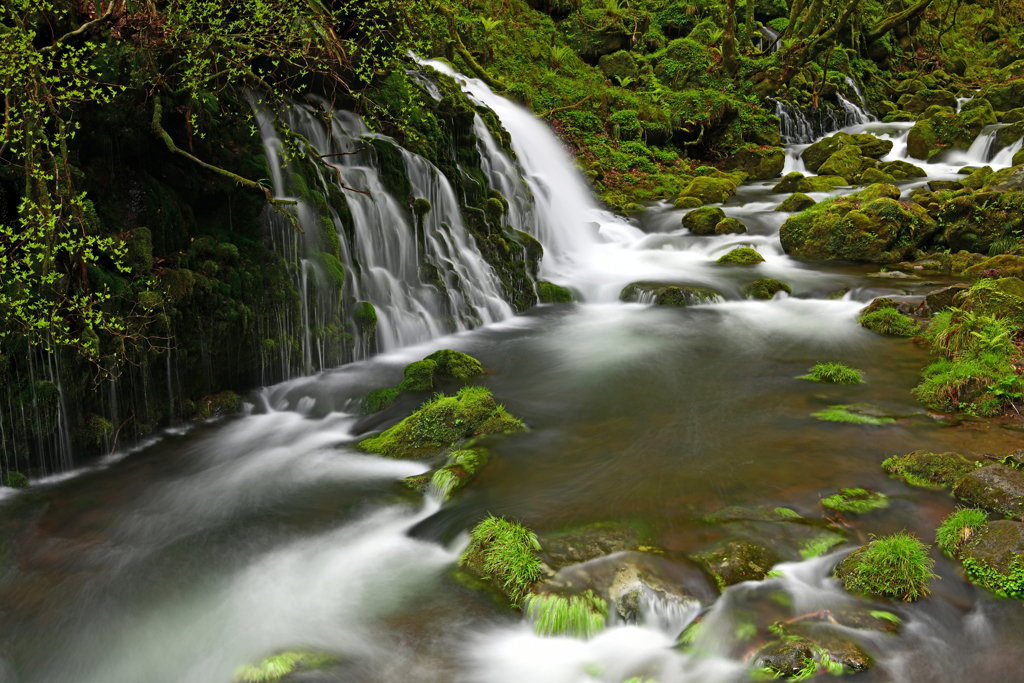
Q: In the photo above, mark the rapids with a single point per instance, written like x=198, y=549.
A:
x=215, y=545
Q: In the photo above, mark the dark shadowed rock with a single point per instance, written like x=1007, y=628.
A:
x=996, y=487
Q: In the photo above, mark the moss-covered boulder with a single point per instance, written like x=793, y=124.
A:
x=1007, y=179
x=927, y=469
x=758, y=162
x=766, y=288
x=872, y=176
x=919, y=102
x=870, y=146
x=455, y=364
x=889, y=321
x=789, y=658
x=867, y=226
x=710, y=190
x=1005, y=265
x=821, y=183
x=945, y=298
x=993, y=557
x=737, y=561
x=1005, y=96
x=896, y=566
x=687, y=203
x=418, y=376
x=796, y=202
x=901, y=170
x=664, y=294
x=977, y=178
x=845, y=162
x=379, y=399
x=977, y=221
x=997, y=488
x=931, y=134
x=550, y=293
x=789, y=183
x=807, y=647
x=730, y=226
x=441, y=423
x=703, y=221
x=618, y=66
x=818, y=153
x=741, y=256
x=460, y=469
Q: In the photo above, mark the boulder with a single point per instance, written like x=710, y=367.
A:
x=901, y=170
x=977, y=222
x=741, y=256
x=687, y=203
x=789, y=183
x=710, y=190
x=919, y=102
x=1013, y=116
x=997, y=488
x=818, y=153
x=994, y=557
x=1004, y=264
x=873, y=175
x=944, y=185
x=786, y=658
x=765, y=289
x=737, y=561
x=619, y=65
x=870, y=146
x=924, y=468
x=550, y=293
x=664, y=294
x=584, y=543
x=821, y=183
x=943, y=299
x=703, y=221
x=796, y=202
x=418, y=376
x=1005, y=96
x=929, y=135
x=455, y=364
x=978, y=178
x=759, y=163
x=730, y=226
x=845, y=162
x=1007, y=179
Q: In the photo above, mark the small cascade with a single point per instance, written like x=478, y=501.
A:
x=798, y=127
x=1004, y=157
x=769, y=40
x=860, y=94
x=423, y=274
x=982, y=150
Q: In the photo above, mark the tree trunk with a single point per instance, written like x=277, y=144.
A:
x=886, y=25
x=729, y=57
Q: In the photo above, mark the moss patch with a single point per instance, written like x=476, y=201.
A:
x=741, y=256
x=924, y=468
x=856, y=413
x=284, y=664
x=455, y=364
x=551, y=293
x=890, y=322
x=855, y=501
x=379, y=399
x=418, y=376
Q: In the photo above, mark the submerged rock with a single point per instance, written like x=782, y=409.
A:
x=737, y=561
x=994, y=557
x=584, y=543
x=855, y=501
x=786, y=658
x=766, y=288
x=924, y=468
x=664, y=294
x=996, y=487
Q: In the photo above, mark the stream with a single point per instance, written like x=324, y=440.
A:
x=218, y=543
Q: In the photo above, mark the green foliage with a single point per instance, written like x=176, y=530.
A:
x=889, y=321
x=455, y=364
x=503, y=551
x=14, y=480
x=1007, y=585
x=856, y=501
x=555, y=615
x=957, y=529
x=278, y=666
x=895, y=566
x=379, y=399
x=844, y=413
x=836, y=373
x=419, y=376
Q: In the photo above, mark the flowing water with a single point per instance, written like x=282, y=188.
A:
x=216, y=545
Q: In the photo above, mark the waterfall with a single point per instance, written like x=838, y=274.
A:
x=769, y=40
x=424, y=280
x=798, y=127
x=860, y=94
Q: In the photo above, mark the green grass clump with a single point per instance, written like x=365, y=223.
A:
x=855, y=501
x=923, y=468
x=958, y=528
x=461, y=468
x=556, y=615
x=379, y=399
x=890, y=322
x=741, y=256
x=896, y=566
x=277, y=667
x=845, y=414
x=836, y=373
x=503, y=551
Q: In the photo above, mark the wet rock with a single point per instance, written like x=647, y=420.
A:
x=365, y=317
x=741, y=256
x=461, y=468
x=818, y=153
x=870, y=146
x=710, y=190
x=994, y=557
x=703, y=221
x=664, y=294
x=944, y=185
x=928, y=138
x=786, y=658
x=844, y=162
x=581, y=544
x=761, y=513
x=943, y=299
x=1005, y=96
x=687, y=203
x=730, y=226
x=874, y=175
x=789, y=183
x=978, y=178
x=996, y=487
x=1008, y=179
x=920, y=101
x=738, y=561
x=796, y=202
x=924, y=468
x=825, y=641
x=550, y=293
x=901, y=170
x=418, y=376
x=766, y=288
x=759, y=163
x=455, y=364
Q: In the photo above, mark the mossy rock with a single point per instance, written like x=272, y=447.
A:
x=551, y=293
x=789, y=183
x=730, y=226
x=982, y=222
x=855, y=501
x=365, y=317
x=870, y=146
x=418, y=376
x=873, y=175
x=664, y=294
x=818, y=153
x=703, y=221
x=931, y=134
x=759, y=163
x=379, y=399
x=1018, y=158
x=1007, y=179
x=687, y=203
x=710, y=190
x=455, y=364
x=845, y=162
x=996, y=488
x=461, y=468
x=978, y=178
x=1007, y=265
x=944, y=299
x=821, y=183
x=216, y=405
x=283, y=665
x=441, y=423
x=619, y=65
x=788, y=658
x=1006, y=95
x=924, y=468
x=503, y=552
x=994, y=557
x=901, y=170
x=766, y=288
x=741, y=256
x=856, y=413
x=796, y=202
x=14, y=480
x=890, y=322
x=737, y=561
x=590, y=541
x=919, y=102
x=828, y=651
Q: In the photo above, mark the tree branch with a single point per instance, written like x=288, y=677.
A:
x=886, y=25
x=83, y=28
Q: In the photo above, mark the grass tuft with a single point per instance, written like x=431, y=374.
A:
x=836, y=373
x=557, y=615
x=889, y=321
x=280, y=665
x=896, y=566
x=855, y=501
x=958, y=528
x=502, y=550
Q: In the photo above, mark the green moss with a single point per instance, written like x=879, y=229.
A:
x=710, y=190
x=379, y=399
x=896, y=566
x=889, y=321
x=703, y=221
x=14, y=480
x=796, y=202
x=836, y=373
x=766, y=288
x=441, y=423
x=551, y=293
x=581, y=616
x=924, y=468
x=277, y=667
x=730, y=226
x=97, y=428
x=365, y=317
x=741, y=256
x=850, y=413
x=855, y=501
x=503, y=551
x=418, y=376
x=223, y=403
x=820, y=544
x=455, y=364
x=391, y=169
x=957, y=529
